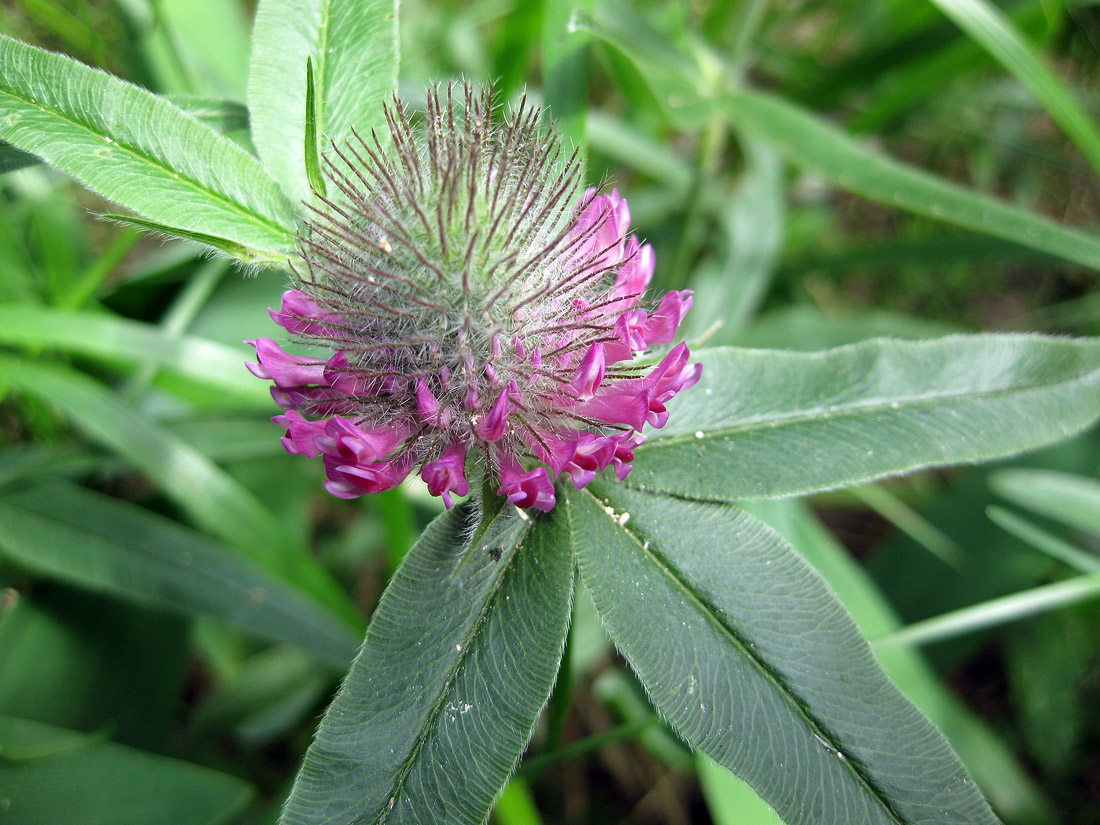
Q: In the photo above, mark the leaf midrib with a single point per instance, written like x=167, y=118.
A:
x=776, y=680
x=911, y=404
x=256, y=219
x=467, y=647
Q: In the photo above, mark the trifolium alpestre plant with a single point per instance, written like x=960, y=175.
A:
x=483, y=320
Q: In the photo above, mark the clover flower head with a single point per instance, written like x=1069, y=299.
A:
x=482, y=321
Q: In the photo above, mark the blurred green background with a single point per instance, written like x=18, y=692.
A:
x=152, y=667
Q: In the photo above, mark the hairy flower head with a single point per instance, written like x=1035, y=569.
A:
x=481, y=318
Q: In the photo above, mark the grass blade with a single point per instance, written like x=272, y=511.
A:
x=995, y=612
x=106, y=336
x=211, y=498
x=989, y=27
x=813, y=144
x=65, y=532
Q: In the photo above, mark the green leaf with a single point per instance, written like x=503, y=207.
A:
x=762, y=424
x=50, y=774
x=12, y=159
x=806, y=327
x=270, y=693
x=628, y=145
x=676, y=80
x=92, y=663
x=1069, y=498
x=108, y=336
x=139, y=150
x=843, y=161
x=459, y=658
x=231, y=248
x=223, y=116
x=1007, y=786
x=729, y=800
x=988, y=26
x=206, y=40
x=516, y=805
x=207, y=494
x=565, y=69
x=690, y=92
x=747, y=653
x=353, y=45
x=995, y=612
x=100, y=543
x=313, y=160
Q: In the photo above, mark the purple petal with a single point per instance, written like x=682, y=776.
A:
x=590, y=373
x=286, y=370
x=591, y=455
x=446, y=474
x=491, y=428
x=661, y=326
x=673, y=374
x=625, y=444
x=349, y=443
x=634, y=275
x=629, y=408
x=301, y=433
x=353, y=480
x=341, y=375
x=301, y=315
x=526, y=489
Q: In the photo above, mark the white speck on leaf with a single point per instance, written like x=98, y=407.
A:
x=619, y=518
x=456, y=709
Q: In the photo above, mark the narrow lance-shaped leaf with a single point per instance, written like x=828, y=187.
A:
x=101, y=334
x=312, y=156
x=747, y=653
x=233, y=249
x=51, y=774
x=65, y=532
x=817, y=146
x=204, y=491
x=1010, y=791
x=762, y=424
x=140, y=151
x=970, y=619
x=353, y=46
x=459, y=658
